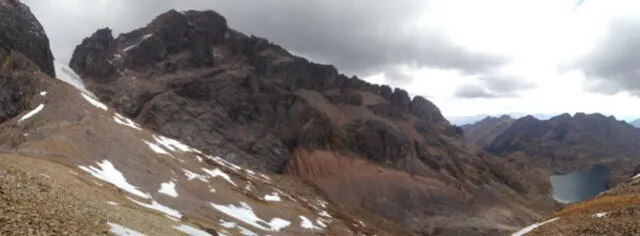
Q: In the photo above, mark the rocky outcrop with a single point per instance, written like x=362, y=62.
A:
x=24, y=50
x=21, y=32
x=188, y=76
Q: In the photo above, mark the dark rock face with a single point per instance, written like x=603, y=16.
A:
x=16, y=84
x=24, y=50
x=93, y=57
x=427, y=111
x=378, y=141
x=21, y=32
x=188, y=76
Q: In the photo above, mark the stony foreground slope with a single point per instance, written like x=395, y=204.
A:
x=189, y=76
x=615, y=212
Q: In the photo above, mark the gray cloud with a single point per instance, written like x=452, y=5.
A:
x=397, y=75
x=494, y=86
x=473, y=91
x=360, y=37
x=614, y=64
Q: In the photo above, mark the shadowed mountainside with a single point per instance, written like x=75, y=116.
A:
x=483, y=132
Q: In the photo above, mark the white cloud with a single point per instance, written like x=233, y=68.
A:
x=541, y=37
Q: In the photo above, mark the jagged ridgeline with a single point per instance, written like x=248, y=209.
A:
x=186, y=115
x=188, y=75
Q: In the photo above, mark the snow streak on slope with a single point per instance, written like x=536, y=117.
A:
x=94, y=102
x=245, y=214
x=120, y=230
x=32, y=113
x=70, y=77
x=159, y=207
x=532, y=227
x=107, y=172
x=191, y=231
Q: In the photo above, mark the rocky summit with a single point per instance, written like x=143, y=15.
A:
x=188, y=76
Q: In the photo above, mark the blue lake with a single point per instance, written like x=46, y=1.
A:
x=579, y=186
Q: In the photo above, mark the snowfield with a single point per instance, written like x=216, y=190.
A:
x=67, y=75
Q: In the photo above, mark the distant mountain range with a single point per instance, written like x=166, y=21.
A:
x=467, y=120
x=563, y=143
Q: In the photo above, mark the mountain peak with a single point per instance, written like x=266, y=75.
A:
x=188, y=76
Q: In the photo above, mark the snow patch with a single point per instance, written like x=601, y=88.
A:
x=223, y=162
x=43, y=93
x=191, y=230
x=600, y=215
x=172, y=144
x=217, y=172
x=112, y=203
x=273, y=197
x=190, y=175
x=243, y=231
x=108, y=173
x=325, y=214
x=120, y=230
x=308, y=224
x=126, y=121
x=245, y=214
x=169, y=189
x=94, y=102
x=635, y=177
x=32, y=113
x=157, y=149
x=159, y=207
x=532, y=227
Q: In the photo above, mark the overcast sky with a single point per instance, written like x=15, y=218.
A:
x=469, y=57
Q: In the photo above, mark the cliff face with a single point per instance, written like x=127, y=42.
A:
x=188, y=76
x=21, y=38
